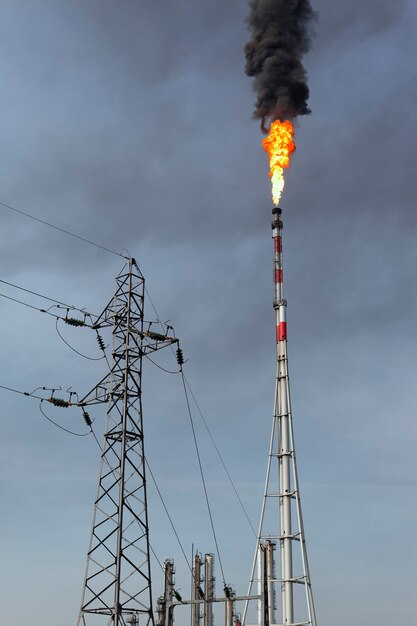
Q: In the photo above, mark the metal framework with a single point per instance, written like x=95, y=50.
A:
x=117, y=585
x=285, y=492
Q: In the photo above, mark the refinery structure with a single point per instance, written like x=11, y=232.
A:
x=118, y=579
x=117, y=587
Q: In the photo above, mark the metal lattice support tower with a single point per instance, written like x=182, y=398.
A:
x=117, y=585
x=285, y=492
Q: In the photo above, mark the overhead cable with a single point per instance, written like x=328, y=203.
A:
x=220, y=457
x=58, y=425
x=70, y=321
x=22, y=393
x=90, y=358
x=162, y=368
x=163, y=504
x=40, y=295
x=202, y=478
x=207, y=428
x=168, y=515
x=62, y=230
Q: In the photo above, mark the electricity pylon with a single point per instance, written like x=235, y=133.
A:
x=117, y=585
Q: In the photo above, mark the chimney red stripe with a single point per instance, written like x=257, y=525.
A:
x=278, y=244
x=278, y=276
x=282, y=331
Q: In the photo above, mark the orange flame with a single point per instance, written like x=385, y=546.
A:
x=280, y=146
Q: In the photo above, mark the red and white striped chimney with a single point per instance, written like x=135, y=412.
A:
x=280, y=305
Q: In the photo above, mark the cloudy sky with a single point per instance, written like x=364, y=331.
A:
x=129, y=123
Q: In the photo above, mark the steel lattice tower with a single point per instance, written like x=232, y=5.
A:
x=282, y=496
x=117, y=585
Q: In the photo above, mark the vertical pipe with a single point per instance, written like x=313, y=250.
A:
x=196, y=590
x=262, y=600
x=229, y=606
x=270, y=576
x=160, y=611
x=260, y=569
x=208, y=589
x=169, y=591
x=284, y=430
x=228, y=620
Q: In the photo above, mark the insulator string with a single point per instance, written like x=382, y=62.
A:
x=90, y=358
x=59, y=426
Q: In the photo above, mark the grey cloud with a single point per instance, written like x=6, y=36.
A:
x=356, y=19
x=132, y=127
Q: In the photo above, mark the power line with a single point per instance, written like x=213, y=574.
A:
x=162, y=368
x=33, y=395
x=156, y=557
x=58, y=303
x=220, y=457
x=207, y=427
x=90, y=358
x=30, y=306
x=70, y=432
x=203, y=479
x=22, y=393
x=168, y=515
x=57, y=317
x=60, y=229
x=34, y=293
x=163, y=503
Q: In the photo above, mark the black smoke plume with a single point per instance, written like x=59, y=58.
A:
x=281, y=35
